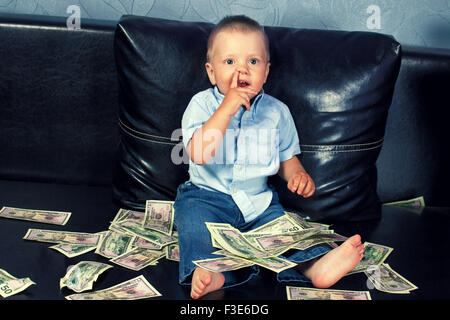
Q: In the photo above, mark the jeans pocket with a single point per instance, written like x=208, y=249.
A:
x=184, y=188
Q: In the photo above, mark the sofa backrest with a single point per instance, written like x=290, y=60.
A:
x=338, y=97
x=58, y=100
x=59, y=110
x=414, y=158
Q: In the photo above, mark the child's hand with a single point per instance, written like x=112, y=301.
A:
x=302, y=183
x=237, y=96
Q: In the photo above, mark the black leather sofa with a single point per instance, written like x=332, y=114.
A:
x=62, y=146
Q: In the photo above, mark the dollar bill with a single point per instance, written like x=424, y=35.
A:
x=142, y=243
x=320, y=239
x=134, y=289
x=173, y=252
x=274, y=241
x=299, y=293
x=54, y=236
x=384, y=278
x=374, y=254
x=211, y=225
x=135, y=228
x=275, y=264
x=125, y=214
x=320, y=226
x=10, y=285
x=416, y=203
x=306, y=224
x=263, y=245
x=222, y=264
x=233, y=241
x=283, y=224
x=113, y=244
x=119, y=213
x=159, y=216
x=138, y=258
x=72, y=250
x=298, y=219
x=80, y=277
x=217, y=225
x=288, y=232
x=42, y=216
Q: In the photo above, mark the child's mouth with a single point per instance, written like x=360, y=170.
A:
x=243, y=83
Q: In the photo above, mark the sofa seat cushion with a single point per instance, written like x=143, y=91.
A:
x=419, y=251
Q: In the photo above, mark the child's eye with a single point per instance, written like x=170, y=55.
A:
x=253, y=61
x=229, y=61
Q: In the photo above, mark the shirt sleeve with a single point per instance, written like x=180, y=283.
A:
x=195, y=115
x=289, y=144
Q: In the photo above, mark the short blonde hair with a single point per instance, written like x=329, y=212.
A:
x=238, y=23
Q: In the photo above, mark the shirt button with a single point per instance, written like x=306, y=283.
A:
x=246, y=115
x=234, y=190
x=238, y=167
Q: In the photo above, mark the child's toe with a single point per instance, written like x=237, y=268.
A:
x=205, y=280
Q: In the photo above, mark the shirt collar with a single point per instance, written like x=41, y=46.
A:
x=219, y=97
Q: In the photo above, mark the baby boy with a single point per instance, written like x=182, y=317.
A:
x=236, y=137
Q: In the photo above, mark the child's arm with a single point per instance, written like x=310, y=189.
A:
x=297, y=178
x=207, y=139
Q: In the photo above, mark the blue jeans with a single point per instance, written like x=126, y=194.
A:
x=194, y=206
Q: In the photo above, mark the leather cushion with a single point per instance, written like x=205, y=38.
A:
x=413, y=160
x=58, y=100
x=338, y=86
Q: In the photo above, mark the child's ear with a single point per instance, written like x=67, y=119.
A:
x=267, y=71
x=210, y=71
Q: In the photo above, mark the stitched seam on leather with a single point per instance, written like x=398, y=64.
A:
x=125, y=129
x=356, y=150
x=148, y=140
x=342, y=145
x=142, y=133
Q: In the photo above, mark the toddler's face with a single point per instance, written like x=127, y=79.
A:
x=242, y=51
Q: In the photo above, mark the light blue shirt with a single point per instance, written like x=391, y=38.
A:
x=254, y=144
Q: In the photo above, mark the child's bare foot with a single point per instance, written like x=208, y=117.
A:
x=205, y=281
x=330, y=268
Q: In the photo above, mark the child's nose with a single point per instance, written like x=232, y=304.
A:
x=242, y=69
